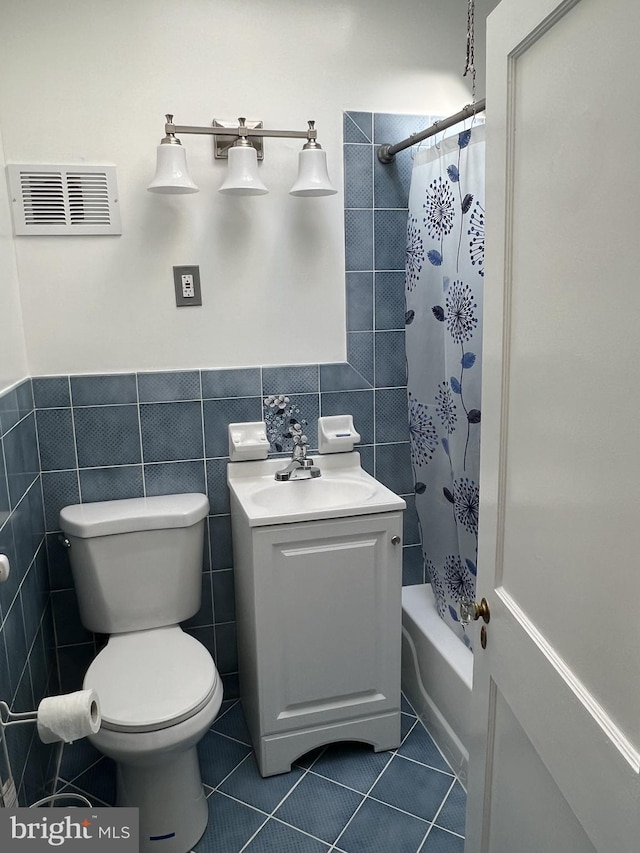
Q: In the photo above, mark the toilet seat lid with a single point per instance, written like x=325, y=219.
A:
x=150, y=680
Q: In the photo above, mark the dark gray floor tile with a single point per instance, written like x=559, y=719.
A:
x=412, y=787
x=420, y=747
x=319, y=807
x=275, y=837
x=247, y=785
x=352, y=764
x=439, y=841
x=230, y=721
x=377, y=827
x=453, y=811
x=231, y=825
x=219, y=755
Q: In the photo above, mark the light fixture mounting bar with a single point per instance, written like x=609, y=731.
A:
x=236, y=132
x=188, y=128
x=228, y=132
x=293, y=134
x=225, y=133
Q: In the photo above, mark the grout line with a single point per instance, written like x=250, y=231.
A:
x=290, y=826
x=413, y=725
x=204, y=451
x=433, y=741
x=75, y=446
x=84, y=770
x=413, y=710
x=230, y=737
x=231, y=772
x=397, y=809
x=428, y=766
x=444, y=829
x=232, y=704
x=347, y=114
x=250, y=839
x=18, y=422
x=364, y=799
x=384, y=209
x=7, y=609
x=424, y=840
x=72, y=789
x=288, y=794
x=138, y=412
x=271, y=816
x=433, y=821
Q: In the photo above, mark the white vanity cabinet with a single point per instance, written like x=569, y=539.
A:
x=319, y=632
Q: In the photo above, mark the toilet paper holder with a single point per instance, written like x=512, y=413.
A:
x=12, y=718
x=66, y=717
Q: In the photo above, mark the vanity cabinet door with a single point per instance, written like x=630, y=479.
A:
x=327, y=610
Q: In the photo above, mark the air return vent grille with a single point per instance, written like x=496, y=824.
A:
x=64, y=200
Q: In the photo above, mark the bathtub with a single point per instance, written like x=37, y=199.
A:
x=437, y=674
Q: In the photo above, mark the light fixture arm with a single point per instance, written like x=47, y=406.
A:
x=170, y=137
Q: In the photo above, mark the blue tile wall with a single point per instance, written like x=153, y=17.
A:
x=70, y=439
x=28, y=669
x=376, y=206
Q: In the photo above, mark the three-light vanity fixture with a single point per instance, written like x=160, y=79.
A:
x=242, y=145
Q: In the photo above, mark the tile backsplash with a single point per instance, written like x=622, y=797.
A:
x=28, y=670
x=134, y=435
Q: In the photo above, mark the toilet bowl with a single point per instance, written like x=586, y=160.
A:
x=137, y=570
x=159, y=694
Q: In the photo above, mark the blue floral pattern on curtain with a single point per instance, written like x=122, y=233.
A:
x=444, y=277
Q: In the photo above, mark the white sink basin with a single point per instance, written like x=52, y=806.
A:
x=343, y=489
x=313, y=494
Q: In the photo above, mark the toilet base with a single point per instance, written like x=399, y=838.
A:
x=171, y=799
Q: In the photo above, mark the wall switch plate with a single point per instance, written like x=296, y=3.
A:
x=186, y=281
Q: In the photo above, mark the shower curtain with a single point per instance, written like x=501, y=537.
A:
x=444, y=276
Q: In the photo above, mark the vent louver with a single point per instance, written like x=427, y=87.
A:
x=64, y=200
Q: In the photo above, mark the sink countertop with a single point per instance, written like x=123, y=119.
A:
x=343, y=490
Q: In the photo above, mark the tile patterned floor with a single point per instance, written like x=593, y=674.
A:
x=343, y=798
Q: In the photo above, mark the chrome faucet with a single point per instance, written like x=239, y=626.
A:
x=301, y=466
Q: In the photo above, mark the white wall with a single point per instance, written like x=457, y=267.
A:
x=90, y=81
x=13, y=356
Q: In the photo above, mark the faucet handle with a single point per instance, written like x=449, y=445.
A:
x=300, y=442
x=300, y=447
x=297, y=435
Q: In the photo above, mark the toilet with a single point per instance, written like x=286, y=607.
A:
x=137, y=569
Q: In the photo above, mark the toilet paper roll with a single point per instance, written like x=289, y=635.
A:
x=68, y=717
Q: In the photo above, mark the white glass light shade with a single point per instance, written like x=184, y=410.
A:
x=313, y=177
x=242, y=172
x=172, y=175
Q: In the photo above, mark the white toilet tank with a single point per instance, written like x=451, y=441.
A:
x=136, y=563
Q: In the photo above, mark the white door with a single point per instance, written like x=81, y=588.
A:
x=555, y=753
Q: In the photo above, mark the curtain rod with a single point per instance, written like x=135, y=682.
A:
x=387, y=153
